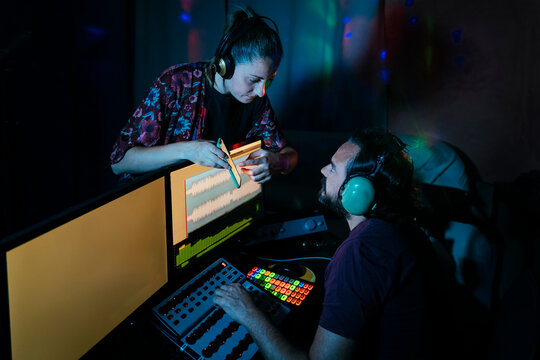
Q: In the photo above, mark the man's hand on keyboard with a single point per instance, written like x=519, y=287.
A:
x=236, y=302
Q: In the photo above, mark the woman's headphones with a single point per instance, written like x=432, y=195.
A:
x=358, y=191
x=224, y=62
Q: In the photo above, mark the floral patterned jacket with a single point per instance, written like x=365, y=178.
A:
x=175, y=110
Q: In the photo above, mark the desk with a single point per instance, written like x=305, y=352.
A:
x=137, y=338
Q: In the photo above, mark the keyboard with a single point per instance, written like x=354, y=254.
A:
x=202, y=330
x=288, y=290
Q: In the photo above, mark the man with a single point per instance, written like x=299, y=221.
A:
x=379, y=297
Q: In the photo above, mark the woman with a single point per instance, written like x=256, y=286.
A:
x=191, y=105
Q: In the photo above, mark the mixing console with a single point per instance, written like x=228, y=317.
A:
x=204, y=331
x=289, y=290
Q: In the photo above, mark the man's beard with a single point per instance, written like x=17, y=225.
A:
x=332, y=203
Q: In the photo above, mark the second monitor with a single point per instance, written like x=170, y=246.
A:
x=207, y=207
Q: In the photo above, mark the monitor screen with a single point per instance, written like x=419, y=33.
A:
x=208, y=208
x=69, y=287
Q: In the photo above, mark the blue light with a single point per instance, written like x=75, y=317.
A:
x=185, y=17
x=459, y=60
x=409, y=2
x=385, y=75
x=346, y=20
x=95, y=31
x=456, y=35
x=413, y=20
x=383, y=55
x=348, y=35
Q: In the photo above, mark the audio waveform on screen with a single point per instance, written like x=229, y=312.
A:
x=225, y=200
x=207, y=183
x=188, y=251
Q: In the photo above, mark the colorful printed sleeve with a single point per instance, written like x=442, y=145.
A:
x=267, y=127
x=144, y=126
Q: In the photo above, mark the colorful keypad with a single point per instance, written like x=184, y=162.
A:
x=289, y=290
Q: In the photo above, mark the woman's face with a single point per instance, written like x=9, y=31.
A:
x=250, y=80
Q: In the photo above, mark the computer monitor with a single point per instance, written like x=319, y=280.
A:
x=207, y=208
x=69, y=286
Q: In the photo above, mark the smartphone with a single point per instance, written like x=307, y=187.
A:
x=233, y=170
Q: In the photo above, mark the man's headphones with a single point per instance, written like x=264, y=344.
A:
x=224, y=62
x=358, y=192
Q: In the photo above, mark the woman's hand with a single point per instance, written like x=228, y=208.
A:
x=260, y=165
x=203, y=152
x=236, y=302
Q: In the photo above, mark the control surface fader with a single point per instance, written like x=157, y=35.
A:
x=201, y=329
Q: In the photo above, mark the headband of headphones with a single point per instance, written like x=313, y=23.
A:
x=224, y=61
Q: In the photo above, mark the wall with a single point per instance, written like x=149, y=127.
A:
x=467, y=72
x=65, y=79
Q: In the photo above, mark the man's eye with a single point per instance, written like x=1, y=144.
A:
x=254, y=81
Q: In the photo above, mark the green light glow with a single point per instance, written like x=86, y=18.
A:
x=202, y=246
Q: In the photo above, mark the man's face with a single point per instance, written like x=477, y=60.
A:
x=334, y=176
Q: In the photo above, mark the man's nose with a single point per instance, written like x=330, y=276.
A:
x=324, y=170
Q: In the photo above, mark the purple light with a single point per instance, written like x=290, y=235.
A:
x=409, y=2
x=413, y=20
x=346, y=20
x=383, y=55
x=348, y=35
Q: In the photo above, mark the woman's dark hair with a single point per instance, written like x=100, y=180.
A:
x=395, y=195
x=259, y=40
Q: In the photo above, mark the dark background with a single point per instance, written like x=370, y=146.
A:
x=71, y=74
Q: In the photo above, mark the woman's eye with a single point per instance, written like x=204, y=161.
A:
x=254, y=81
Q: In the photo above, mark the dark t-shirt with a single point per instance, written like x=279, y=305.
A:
x=380, y=290
x=228, y=118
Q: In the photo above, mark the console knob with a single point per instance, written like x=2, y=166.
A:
x=310, y=224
